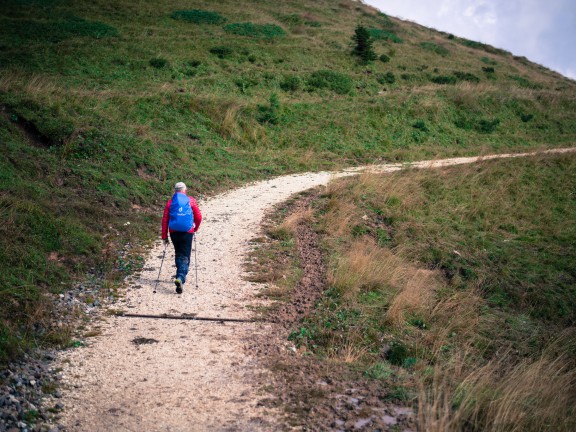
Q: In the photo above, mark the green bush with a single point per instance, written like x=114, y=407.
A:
x=487, y=126
x=386, y=78
x=488, y=70
x=479, y=45
x=221, y=51
x=291, y=83
x=198, y=16
x=466, y=76
x=489, y=61
x=335, y=81
x=158, y=63
x=526, y=117
x=438, y=49
x=384, y=35
x=255, y=30
x=384, y=58
x=444, y=79
x=364, y=41
x=270, y=113
x=420, y=125
x=526, y=83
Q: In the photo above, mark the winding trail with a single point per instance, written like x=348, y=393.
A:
x=197, y=376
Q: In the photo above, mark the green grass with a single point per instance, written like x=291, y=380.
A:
x=469, y=268
x=102, y=109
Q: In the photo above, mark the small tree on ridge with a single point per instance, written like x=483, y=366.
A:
x=364, y=41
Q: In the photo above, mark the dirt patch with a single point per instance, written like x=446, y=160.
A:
x=317, y=393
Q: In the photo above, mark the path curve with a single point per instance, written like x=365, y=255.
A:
x=197, y=376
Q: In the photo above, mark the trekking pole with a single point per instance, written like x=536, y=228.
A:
x=160, y=271
x=196, y=259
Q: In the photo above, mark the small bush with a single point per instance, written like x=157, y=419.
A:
x=335, y=81
x=420, y=125
x=487, y=126
x=270, y=113
x=291, y=83
x=466, y=76
x=524, y=82
x=384, y=35
x=221, y=51
x=198, y=16
x=407, y=77
x=438, y=49
x=255, y=30
x=444, y=79
x=526, y=117
x=384, y=58
x=387, y=78
x=488, y=70
x=158, y=63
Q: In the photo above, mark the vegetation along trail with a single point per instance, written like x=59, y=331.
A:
x=182, y=375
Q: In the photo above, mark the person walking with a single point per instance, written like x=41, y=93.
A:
x=182, y=219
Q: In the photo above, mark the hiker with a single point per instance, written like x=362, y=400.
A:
x=182, y=218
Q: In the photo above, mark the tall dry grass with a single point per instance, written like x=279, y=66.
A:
x=503, y=395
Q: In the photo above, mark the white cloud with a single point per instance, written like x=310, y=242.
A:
x=542, y=31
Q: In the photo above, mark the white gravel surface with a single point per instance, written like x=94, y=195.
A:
x=197, y=377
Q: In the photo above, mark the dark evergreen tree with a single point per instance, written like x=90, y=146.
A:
x=364, y=41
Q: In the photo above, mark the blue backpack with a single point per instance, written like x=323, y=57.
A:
x=181, y=216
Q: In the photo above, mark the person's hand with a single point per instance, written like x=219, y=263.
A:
x=166, y=241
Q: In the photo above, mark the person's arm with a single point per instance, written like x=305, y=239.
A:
x=197, y=214
x=165, y=220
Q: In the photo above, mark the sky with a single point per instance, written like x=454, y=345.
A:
x=544, y=31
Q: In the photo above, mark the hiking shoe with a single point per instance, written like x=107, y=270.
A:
x=178, y=284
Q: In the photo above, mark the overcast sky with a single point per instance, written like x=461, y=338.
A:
x=544, y=31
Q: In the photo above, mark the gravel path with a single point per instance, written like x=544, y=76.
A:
x=189, y=376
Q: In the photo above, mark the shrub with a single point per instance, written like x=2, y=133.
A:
x=255, y=30
x=421, y=125
x=198, y=16
x=270, y=113
x=438, y=49
x=335, y=81
x=387, y=78
x=384, y=35
x=444, y=79
x=524, y=82
x=479, y=45
x=291, y=83
x=487, y=126
x=488, y=70
x=384, y=58
x=466, y=76
x=158, y=63
x=364, y=41
x=221, y=51
x=526, y=117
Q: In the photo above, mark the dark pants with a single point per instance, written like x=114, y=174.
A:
x=182, y=242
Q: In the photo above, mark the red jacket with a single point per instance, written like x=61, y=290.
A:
x=166, y=217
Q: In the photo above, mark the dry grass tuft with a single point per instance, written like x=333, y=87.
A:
x=416, y=297
x=531, y=395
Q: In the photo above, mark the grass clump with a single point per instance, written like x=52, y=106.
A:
x=221, y=51
x=435, y=48
x=158, y=63
x=444, y=79
x=199, y=16
x=384, y=35
x=291, y=83
x=386, y=78
x=249, y=29
x=335, y=81
x=466, y=76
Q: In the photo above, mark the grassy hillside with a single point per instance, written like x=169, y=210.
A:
x=456, y=288
x=103, y=106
